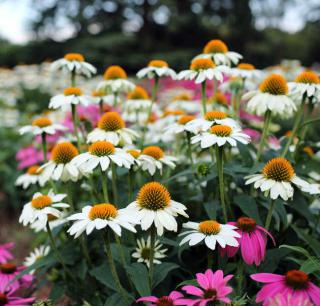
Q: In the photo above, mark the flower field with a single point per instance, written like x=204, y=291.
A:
x=194, y=187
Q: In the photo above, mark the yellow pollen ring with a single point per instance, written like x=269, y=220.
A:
x=215, y=115
x=210, y=227
x=114, y=72
x=221, y=130
x=103, y=211
x=278, y=169
x=41, y=122
x=111, y=121
x=215, y=46
x=153, y=151
x=246, y=66
x=34, y=170
x=307, y=77
x=202, y=64
x=221, y=99
x=72, y=91
x=182, y=97
x=139, y=93
x=63, y=152
x=74, y=57
x=41, y=202
x=185, y=119
x=134, y=153
x=158, y=64
x=102, y=148
x=274, y=84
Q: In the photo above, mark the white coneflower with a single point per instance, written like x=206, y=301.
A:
x=31, y=177
x=211, y=232
x=156, y=68
x=138, y=100
x=38, y=253
x=218, y=51
x=42, y=125
x=245, y=71
x=154, y=206
x=142, y=251
x=74, y=63
x=180, y=125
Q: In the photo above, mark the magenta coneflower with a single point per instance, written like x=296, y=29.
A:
x=294, y=283
x=174, y=298
x=253, y=241
x=8, y=272
x=9, y=297
x=5, y=253
x=213, y=289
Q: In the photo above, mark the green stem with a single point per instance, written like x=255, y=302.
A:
x=153, y=95
x=114, y=183
x=204, y=97
x=269, y=216
x=153, y=234
x=215, y=87
x=85, y=250
x=69, y=196
x=239, y=277
x=189, y=148
x=44, y=146
x=104, y=183
x=219, y=156
x=75, y=125
x=130, y=184
x=101, y=106
x=112, y=266
x=115, y=99
x=265, y=132
x=309, y=122
x=295, y=127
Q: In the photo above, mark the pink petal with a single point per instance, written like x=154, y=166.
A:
x=257, y=246
x=267, y=277
x=268, y=291
x=174, y=295
x=247, y=250
x=202, y=280
x=193, y=290
x=148, y=299
x=314, y=293
x=266, y=232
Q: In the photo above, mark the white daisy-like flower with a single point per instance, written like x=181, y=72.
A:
x=203, y=69
x=221, y=135
x=112, y=128
x=156, y=68
x=186, y=103
x=115, y=81
x=218, y=102
x=180, y=126
x=100, y=216
x=306, y=84
x=138, y=100
x=59, y=167
x=245, y=71
x=31, y=177
x=102, y=154
x=38, y=253
x=42, y=126
x=272, y=95
x=100, y=97
x=153, y=158
x=41, y=206
x=277, y=179
x=218, y=51
x=135, y=153
x=53, y=222
x=72, y=95
x=210, y=119
x=212, y=232
x=312, y=189
x=153, y=206
x=142, y=251
x=75, y=63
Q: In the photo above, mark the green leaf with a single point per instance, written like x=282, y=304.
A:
x=248, y=206
x=116, y=300
x=296, y=249
x=280, y=209
x=192, y=282
x=273, y=258
x=103, y=275
x=300, y=205
x=161, y=271
x=57, y=291
x=211, y=209
x=139, y=275
x=311, y=265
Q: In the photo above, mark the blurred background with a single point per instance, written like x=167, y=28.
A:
x=131, y=32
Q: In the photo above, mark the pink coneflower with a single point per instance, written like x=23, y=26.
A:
x=253, y=241
x=9, y=297
x=29, y=156
x=5, y=253
x=294, y=283
x=213, y=288
x=174, y=298
x=8, y=272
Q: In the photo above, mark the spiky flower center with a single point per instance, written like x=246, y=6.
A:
x=102, y=148
x=153, y=151
x=153, y=196
x=145, y=253
x=110, y=122
x=41, y=202
x=246, y=224
x=114, y=72
x=74, y=57
x=97, y=93
x=246, y=66
x=134, y=153
x=103, y=211
x=158, y=64
x=185, y=119
x=274, y=84
x=33, y=170
x=52, y=217
x=171, y=112
x=63, y=153
x=307, y=77
x=8, y=268
x=221, y=99
x=278, y=169
x=72, y=91
x=182, y=97
x=210, y=293
x=221, y=130
x=3, y=299
x=215, y=46
x=139, y=93
x=297, y=280
x=165, y=301
x=215, y=115
x=41, y=122
x=199, y=64
x=210, y=227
